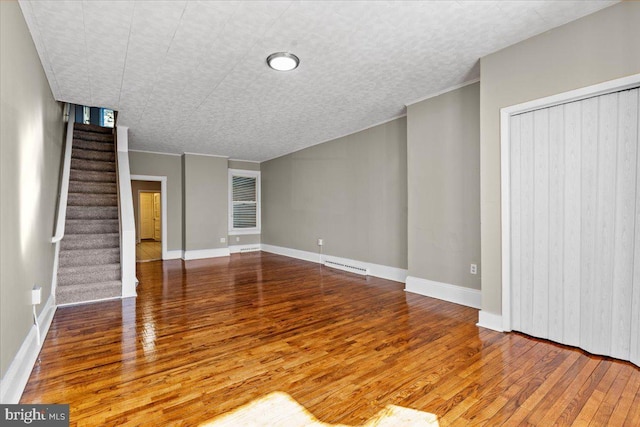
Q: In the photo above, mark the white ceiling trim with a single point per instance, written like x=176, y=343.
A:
x=155, y=152
x=442, y=92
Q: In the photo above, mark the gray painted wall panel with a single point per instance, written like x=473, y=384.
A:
x=155, y=164
x=32, y=135
x=350, y=191
x=205, y=202
x=443, y=146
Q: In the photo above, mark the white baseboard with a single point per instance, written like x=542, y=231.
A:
x=92, y=301
x=205, y=253
x=444, y=291
x=490, y=321
x=376, y=270
x=174, y=254
x=16, y=377
x=234, y=249
x=293, y=253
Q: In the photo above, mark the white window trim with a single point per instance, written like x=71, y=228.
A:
x=248, y=174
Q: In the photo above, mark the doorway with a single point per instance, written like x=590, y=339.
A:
x=147, y=202
x=570, y=204
x=149, y=245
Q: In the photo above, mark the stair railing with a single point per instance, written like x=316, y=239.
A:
x=127, y=221
x=64, y=183
x=63, y=196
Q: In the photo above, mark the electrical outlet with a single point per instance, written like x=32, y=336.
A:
x=223, y=239
x=473, y=269
x=36, y=295
x=320, y=242
x=237, y=239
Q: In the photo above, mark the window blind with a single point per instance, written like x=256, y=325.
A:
x=244, y=202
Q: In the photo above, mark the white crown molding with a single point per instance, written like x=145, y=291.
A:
x=155, y=152
x=15, y=379
x=444, y=291
x=246, y=161
x=442, y=92
x=204, y=155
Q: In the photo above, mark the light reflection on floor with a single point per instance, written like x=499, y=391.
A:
x=280, y=409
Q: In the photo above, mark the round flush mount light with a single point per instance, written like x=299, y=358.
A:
x=283, y=61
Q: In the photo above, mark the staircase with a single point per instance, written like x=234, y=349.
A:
x=89, y=261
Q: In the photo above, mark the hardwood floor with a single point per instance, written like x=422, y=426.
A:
x=148, y=250
x=204, y=337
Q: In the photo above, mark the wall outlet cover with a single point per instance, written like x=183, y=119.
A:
x=36, y=295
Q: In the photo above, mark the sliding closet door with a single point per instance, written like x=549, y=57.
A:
x=575, y=224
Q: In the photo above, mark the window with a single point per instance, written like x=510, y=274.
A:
x=244, y=202
x=108, y=118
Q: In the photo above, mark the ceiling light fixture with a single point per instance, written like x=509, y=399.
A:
x=283, y=61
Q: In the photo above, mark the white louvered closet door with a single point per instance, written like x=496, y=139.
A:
x=575, y=224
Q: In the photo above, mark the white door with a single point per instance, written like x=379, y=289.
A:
x=575, y=224
x=146, y=216
x=157, y=235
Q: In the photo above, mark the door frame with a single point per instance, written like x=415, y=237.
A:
x=139, y=230
x=505, y=167
x=163, y=202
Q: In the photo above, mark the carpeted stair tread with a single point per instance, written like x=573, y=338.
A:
x=92, y=212
x=75, y=275
x=89, y=260
x=83, y=199
x=80, y=257
x=88, y=292
x=92, y=128
x=103, y=156
x=89, y=241
x=92, y=187
x=103, y=138
x=92, y=176
x=91, y=226
x=93, y=165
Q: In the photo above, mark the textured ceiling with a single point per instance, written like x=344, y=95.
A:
x=190, y=76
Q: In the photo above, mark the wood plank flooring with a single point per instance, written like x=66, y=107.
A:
x=148, y=250
x=207, y=336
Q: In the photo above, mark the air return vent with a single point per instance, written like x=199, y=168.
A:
x=351, y=268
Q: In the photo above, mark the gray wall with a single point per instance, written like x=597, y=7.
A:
x=170, y=166
x=32, y=135
x=443, y=162
x=240, y=164
x=136, y=186
x=352, y=192
x=597, y=48
x=205, y=202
